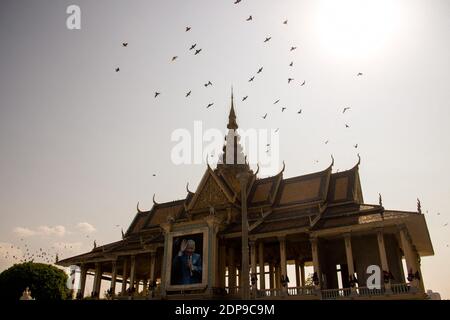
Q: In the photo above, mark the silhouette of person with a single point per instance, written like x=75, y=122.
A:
x=187, y=265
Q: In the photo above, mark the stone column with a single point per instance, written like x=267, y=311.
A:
x=83, y=274
x=253, y=266
x=302, y=273
x=297, y=273
x=132, y=272
x=113, y=277
x=231, y=270
x=152, y=267
x=97, y=279
x=349, y=255
x=222, y=264
x=315, y=257
x=283, y=266
x=277, y=277
x=124, y=275
x=213, y=223
x=271, y=276
x=262, y=275
x=383, y=259
x=407, y=250
x=243, y=179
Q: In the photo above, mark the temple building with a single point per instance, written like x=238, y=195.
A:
x=236, y=235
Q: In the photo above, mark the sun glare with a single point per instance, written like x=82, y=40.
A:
x=356, y=27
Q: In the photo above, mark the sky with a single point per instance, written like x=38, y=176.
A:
x=81, y=144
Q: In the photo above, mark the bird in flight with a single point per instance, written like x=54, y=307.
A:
x=285, y=22
x=187, y=29
x=249, y=18
x=277, y=130
x=124, y=44
x=299, y=111
x=260, y=70
x=290, y=79
x=283, y=108
x=359, y=74
x=326, y=142
x=291, y=64
x=303, y=83
x=244, y=98
x=174, y=58
x=188, y=94
x=446, y=224
x=157, y=94
x=208, y=84
x=264, y=116
x=345, y=109
x=347, y=126
x=276, y=101
x=251, y=79
x=267, y=39
x=356, y=146
x=154, y=175
x=237, y=1
x=293, y=48
x=193, y=46
x=117, y=69
x=197, y=51
x=209, y=105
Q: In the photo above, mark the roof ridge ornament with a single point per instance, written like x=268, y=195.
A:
x=359, y=161
x=257, y=169
x=332, y=161
x=187, y=188
x=137, y=207
x=419, y=206
x=154, y=202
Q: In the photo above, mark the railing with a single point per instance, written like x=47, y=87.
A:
x=398, y=288
x=269, y=293
x=330, y=294
x=232, y=290
x=301, y=291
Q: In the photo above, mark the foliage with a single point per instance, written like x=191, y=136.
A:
x=46, y=282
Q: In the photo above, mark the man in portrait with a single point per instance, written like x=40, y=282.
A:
x=187, y=265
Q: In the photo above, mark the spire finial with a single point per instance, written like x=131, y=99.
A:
x=232, y=117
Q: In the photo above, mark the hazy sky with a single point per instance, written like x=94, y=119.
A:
x=79, y=143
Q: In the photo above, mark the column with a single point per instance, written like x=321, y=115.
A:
x=83, y=273
x=283, y=266
x=132, y=272
x=297, y=273
x=244, y=275
x=97, y=279
x=271, y=276
x=231, y=270
x=253, y=267
x=302, y=273
x=113, y=277
x=383, y=259
x=222, y=265
x=212, y=279
x=262, y=275
x=315, y=257
x=277, y=277
x=407, y=251
x=349, y=255
x=124, y=275
x=152, y=268
x=145, y=285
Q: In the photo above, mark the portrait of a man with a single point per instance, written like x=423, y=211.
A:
x=186, y=263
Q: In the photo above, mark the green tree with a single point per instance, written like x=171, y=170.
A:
x=45, y=282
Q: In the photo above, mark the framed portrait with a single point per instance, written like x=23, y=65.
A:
x=187, y=267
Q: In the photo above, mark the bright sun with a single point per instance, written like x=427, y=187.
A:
x=356, y=27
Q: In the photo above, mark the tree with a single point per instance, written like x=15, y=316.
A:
x=45, y=282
